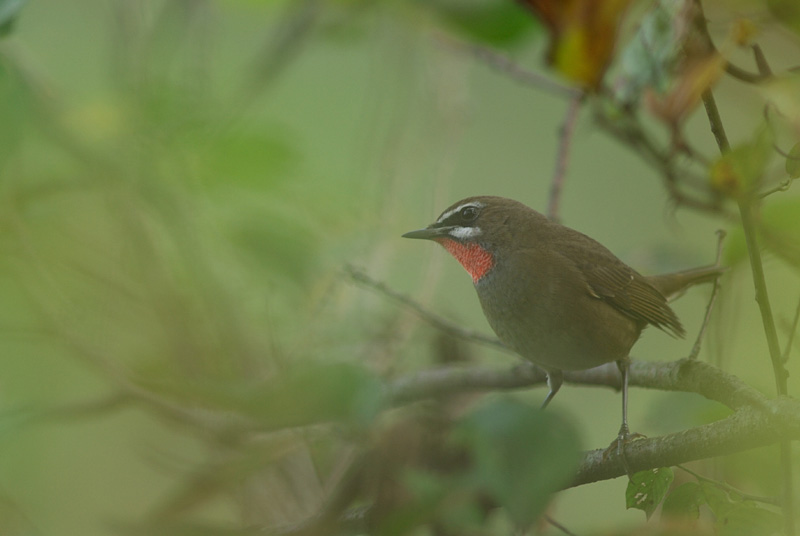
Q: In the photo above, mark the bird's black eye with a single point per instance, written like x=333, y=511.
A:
x=469, y=213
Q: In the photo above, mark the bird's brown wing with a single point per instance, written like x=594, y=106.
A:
x=629, y=292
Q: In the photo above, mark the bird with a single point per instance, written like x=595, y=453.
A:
x=555, y=296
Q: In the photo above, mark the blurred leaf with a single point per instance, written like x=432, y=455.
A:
x=253, y=159
x=737, y=517
x=646, y=489
x=583, y=34
x=428, y=492
x=786, y=12
x=13, y=520
x=279, y=243
x=13, y=110
x=650, y=59
x=747, y=519
x=783, y=92
x=13, y=420
x=779, y=231
x=738, y=172
x=495, y=22
x=304, y=394
x=684, y=501
x=697, y=76
x=184, y=529
x=9, y=11
x=521, y=454
x=793, y=162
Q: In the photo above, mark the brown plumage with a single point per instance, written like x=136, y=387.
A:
x=557, y=297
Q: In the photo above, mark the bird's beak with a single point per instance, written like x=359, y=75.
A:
x=428, y=233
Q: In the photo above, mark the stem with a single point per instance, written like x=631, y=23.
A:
x=564, y=144
x=727, y=487
x=792, y=332
x=710, y=307
x=762, y=298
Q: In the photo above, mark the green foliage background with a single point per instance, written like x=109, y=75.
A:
x=181, y=184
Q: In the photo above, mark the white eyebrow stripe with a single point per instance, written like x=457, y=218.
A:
x=476, y=204
x=462, y=233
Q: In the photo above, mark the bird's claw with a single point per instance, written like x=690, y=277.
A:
x=618, y=445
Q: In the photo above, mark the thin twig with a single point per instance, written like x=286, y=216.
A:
x=716, y=121
x=727, y=487
x=792, y=333
x=782, y=187
x=714, y=292
x=761, y=62
x=559, y=526
x=742, y=75
x=516, y=72
x=437, y=321
x=562, y=158
x=630, y=132
x=785, y=154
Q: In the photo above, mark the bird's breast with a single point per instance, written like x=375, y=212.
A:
x=545, y=314
x=475, y=259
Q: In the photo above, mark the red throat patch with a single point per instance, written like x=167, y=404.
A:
x=476, y=260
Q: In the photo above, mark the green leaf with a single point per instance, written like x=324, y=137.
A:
x=746, y=519
x=304, y=394
x=793, y=162
x=684, y=501
x=9, y=10
x=251, y=158
x=717, y=499
x=495, y=22
x=522, y=455
x=646, y=489
x=786, y=12
x=738, y=172
x=14, y=109
x=779, y=229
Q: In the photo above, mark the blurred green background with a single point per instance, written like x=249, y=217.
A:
x=182, y=185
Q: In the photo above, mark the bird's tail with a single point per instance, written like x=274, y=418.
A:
x=673, y=285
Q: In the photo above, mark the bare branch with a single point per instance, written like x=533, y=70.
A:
x=435, y=320
x=684, y=375
x=746, y=429
x=710, y=307
x=513, y=70
x=792, y=333
x=564, y=144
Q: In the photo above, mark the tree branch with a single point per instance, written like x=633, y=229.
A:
x=746, y=429
x=757, y=421
x=690, y=376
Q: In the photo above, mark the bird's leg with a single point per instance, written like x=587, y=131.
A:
x=624, y=434
x=624, y=431
x=554, y=380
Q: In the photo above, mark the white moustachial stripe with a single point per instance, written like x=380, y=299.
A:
x=463, y=233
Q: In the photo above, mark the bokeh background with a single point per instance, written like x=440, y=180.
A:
x=183, y=183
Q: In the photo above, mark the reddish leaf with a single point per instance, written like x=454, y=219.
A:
x=582, y=36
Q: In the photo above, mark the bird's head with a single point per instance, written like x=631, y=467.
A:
x=476, y=230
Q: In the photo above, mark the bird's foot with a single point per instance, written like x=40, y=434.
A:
x=618, y=445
